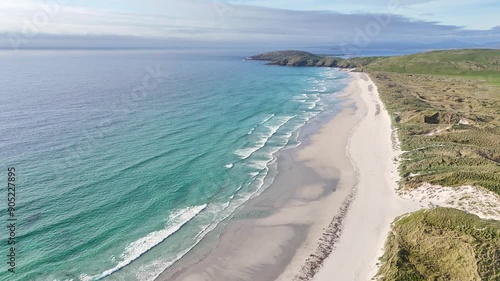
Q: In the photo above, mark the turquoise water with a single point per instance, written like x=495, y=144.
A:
x=126, y=160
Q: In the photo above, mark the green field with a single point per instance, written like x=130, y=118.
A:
x=479, y=64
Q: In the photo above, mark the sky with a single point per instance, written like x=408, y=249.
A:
x=150, y=23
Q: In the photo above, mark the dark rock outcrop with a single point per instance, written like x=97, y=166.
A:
x=442, y=118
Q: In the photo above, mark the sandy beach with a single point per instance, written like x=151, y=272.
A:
x=335, y=194
x=376, y=203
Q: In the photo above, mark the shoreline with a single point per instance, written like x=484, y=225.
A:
x=271, y=237
x=321, y=217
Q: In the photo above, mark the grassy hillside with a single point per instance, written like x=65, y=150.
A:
x=442, y=244
x=448, y=124
x=481, y=64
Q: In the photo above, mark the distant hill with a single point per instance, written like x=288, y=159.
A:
x=417, y=46
x=300, y=58
x=482, y=64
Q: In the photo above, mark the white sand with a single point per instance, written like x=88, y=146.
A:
x=376, y=204
x=475, y=200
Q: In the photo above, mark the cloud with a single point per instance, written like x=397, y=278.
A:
x=327, y=4
x=28, y=23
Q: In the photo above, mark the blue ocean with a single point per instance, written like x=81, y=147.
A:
x=126, y=160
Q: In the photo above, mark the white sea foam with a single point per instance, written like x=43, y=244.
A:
x=267, y=119
x=313, y=101
x=258, y=164
x=311, y=105
x=300, y=97
x=234, y=194
x=135, y=249
x=151, y=271
x=147, y=273
x=84, y=277
x=314, y=96
x=261, y=180
x=244, y=153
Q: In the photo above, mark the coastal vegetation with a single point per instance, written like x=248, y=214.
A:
x=442, y=244
x=445, y=106
x=448, y=127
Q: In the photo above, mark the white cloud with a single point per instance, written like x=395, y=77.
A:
x=477, y=14
x=206, y=21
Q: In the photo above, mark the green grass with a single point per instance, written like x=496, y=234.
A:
x=442, y=244
x=490, y=77
x=480, y=64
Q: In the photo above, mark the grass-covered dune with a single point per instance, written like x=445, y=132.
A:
x=448, y=128
x=446, y=107
x=447, y=115
x=442, y=244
